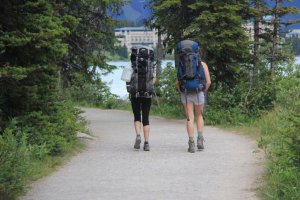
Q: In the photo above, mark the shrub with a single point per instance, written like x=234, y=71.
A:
x=51, y=131
x=281, y=141
x=226, y=106
x=85, y=91
x=13, y=164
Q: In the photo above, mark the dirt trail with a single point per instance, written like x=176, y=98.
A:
x=228, y=169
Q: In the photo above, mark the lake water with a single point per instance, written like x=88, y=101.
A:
x=298, y=60
x=118, y=87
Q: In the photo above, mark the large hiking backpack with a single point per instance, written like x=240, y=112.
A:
x=142, y=62
x=190, y=72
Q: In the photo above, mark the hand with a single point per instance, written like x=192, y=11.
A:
x=177, y=85
x=154, y=77
x=153, y=80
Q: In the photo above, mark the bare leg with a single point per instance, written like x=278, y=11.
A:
x=189, y=111
x=199, y=117
x=137, y=127
x=200, y=125
x=146, y=132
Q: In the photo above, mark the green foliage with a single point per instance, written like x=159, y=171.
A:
x=267, y=41
x=295, y=42
x=42, y=42
x=122, y=52
x=14, y=165
x=33, y=93
x=165, y=86
x=216, y=25
x=121, y=23
x=90, y=92
x=31, y=37
x=224, y=108
x=91, y=34
x=32, y=138
x=226, y=105
x=236, y=106
x=168, y=111
x=167, y=94
x=30, y=33
x=243, y=85
x=50, y=132
x=281, y=141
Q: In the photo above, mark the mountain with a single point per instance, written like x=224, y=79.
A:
x=137, y=11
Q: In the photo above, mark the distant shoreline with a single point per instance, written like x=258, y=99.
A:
x=117, y=86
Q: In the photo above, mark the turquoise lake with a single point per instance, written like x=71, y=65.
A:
x=118, y=87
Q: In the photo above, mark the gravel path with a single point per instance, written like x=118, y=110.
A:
x=228, y=169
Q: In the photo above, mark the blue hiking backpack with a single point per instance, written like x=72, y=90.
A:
x=190, y=72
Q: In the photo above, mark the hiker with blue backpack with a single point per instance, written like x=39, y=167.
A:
x=193, y=81
x=140, y=88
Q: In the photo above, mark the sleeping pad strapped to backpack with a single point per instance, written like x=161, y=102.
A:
x=142, y=59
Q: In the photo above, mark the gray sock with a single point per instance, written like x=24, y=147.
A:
x=200, y=134
x=191, y=139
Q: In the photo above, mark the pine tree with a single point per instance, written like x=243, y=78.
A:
x=30, y=45
x=269, y=30
x=91, y=34
x=216, y=25
x=278, y=12
x=268, y=50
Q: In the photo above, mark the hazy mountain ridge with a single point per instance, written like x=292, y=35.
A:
x=136, y=11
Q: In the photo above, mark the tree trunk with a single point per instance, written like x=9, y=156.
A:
x=275, y=37
x=256, y=29
x=159, y=53
x=203, y=46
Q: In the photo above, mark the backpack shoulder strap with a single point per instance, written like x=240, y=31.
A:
x=179, y=47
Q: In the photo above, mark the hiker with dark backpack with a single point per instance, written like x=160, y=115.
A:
x=140, y=88
x=193, y=81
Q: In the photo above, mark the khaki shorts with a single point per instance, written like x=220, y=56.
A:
x=194, y=97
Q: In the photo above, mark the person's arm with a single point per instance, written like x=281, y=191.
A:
x=154, y=75
x=177, y=85
x=154, y=78
x=207, y=76
x=176, y=58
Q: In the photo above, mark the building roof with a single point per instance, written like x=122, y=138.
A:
x=139, y=28
x=293, y=32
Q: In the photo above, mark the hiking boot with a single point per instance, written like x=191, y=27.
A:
x=137, y=142
x=191, y=146
x=200, y=141
x=146, y=146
